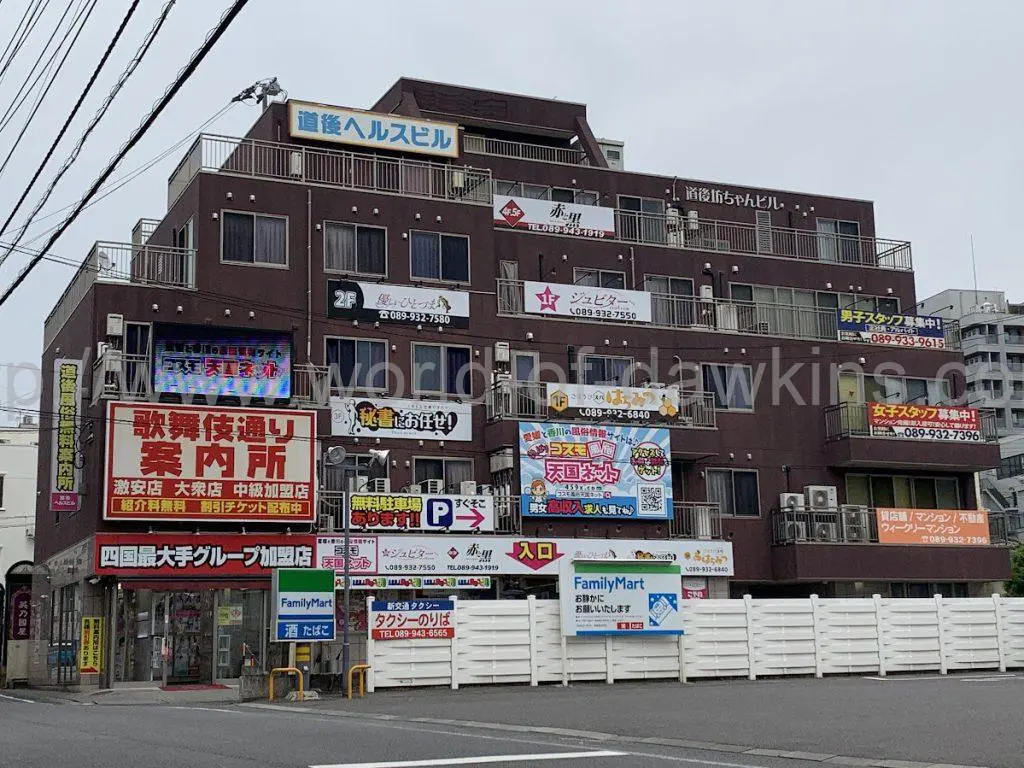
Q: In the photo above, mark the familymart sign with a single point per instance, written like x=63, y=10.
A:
x=303, y=601
x=620, y=598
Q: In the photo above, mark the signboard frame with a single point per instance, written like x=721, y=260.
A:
x=648, y=597
x=309, y=596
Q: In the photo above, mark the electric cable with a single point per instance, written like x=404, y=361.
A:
x=15, y=44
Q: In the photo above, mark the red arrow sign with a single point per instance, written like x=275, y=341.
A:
x=477, y=517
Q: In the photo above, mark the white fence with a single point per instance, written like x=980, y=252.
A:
x=520, y=641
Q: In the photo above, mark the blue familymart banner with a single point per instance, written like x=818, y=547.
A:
x=579, y=470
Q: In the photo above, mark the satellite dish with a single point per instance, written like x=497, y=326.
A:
x=336, y=454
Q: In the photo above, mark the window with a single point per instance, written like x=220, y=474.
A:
x=732, y=386
x=439, y=257
x=735, y=490
x=602, y=370
x=451, y=471
x=900, y=389
x=248, y=238
x=671, y=300
x=524, y=366
x=360, y=363
x=364, y=471
x=355, y=248
x=540, y=192
x=185, y=236
x=641, y=219
x=903, y=491
x=598, y=278
x=839, y=241
x=441, y=369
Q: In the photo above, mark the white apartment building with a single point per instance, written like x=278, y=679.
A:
x=993, y=345
x=19, y=449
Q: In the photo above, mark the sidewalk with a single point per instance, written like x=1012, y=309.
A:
x=130, y=696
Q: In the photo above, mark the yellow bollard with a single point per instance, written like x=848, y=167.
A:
x=361, y=670
x=286, y=671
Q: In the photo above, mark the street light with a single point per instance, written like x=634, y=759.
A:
x=338, y=457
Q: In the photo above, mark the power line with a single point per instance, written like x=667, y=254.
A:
x=197, y=58
x=46, y=91
x=16, y=41
x=64, y=128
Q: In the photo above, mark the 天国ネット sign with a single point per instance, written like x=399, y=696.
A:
x=199, y=463
x=575, y=470
x=205, y=362
x=620, y=598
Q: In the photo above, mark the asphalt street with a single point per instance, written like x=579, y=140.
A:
x=38, y=734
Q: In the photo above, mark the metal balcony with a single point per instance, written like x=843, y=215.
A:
x=851, y=524
x=519, y=150
x=117, y=376
x=328, y=167
x=847, y=420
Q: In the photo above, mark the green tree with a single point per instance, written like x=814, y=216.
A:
x=1015, y=586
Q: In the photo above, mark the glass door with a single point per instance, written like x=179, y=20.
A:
x=239, y=631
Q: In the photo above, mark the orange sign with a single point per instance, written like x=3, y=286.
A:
x=933, y=526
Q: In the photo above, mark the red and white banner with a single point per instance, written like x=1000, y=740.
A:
x=924, y=422
x=200, y=463
x=161, y=555
x=412, y=620
x=554, y=217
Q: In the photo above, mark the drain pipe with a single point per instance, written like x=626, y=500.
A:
x=309, y=276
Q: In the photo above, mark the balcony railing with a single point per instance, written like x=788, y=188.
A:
x=346, y=170
x=980, y=338
x=696, y=520
x=151, y=265
x=851, y=420
x=483, y=145
x=120, y=376
x=847, y=525
x=527, y=400
x=721, y=315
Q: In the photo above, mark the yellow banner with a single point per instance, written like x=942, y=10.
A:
x=90, y=657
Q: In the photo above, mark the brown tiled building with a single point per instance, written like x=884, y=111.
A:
x=360, y=262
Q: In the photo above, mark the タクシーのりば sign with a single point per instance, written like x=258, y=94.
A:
x=412, y=620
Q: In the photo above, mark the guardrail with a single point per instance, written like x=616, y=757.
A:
x=520, y=150
x=851, y=524
x=851, y=420
x=120, y=376
x=513, y=399
x=347, y=170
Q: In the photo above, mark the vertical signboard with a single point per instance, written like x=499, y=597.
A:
x=65, y=472
x=21, y=614
x=90, y=656
x=303, y=601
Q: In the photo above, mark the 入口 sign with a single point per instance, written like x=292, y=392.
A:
x=412, y=620
x=401, y=304
x=586, y=301
x=417, y=512
x=65, y=472
x=402, y=419
x=372, y=129
x=620, y=598
x=199, y=463
x=303, y=603
x=554, y=217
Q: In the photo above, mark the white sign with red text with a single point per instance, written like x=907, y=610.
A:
x=586, y=301
x=553, y=217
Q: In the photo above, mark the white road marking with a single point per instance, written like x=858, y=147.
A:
x=210, y=709
x=994, y=679
x=479, y=760
x=15, y=698
x=958, y=678
x=694, y=760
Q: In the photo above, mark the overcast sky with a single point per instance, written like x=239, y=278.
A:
x=915, y=105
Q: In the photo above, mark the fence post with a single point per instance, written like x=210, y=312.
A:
x=531, y=606
x=565, y=662
x=608, y=661
x=370, y=645
x=682, y=657
x=942, y=635
x=880, y=631
x=815, y=608
x=748, y=605
x=453, y=644
x=997, y=602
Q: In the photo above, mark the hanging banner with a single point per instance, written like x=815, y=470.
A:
x=586, y=301
x=553, y=217
x=626, y=403
x=400, y=304
x=372, y=129
x=199, y=463
x=416, y=512
x=622, y=598
x=65, y=461
x=374, y=583
x=925, y=422
x=90, y=655
x=402, y=419
x=574, y=470
x=933, y=526
x=891, y=330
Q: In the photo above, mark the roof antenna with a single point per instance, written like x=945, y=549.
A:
x=974, y=268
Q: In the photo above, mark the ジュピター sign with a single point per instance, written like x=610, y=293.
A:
x=199, y=463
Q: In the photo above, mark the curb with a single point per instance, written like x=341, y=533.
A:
x=598, y=736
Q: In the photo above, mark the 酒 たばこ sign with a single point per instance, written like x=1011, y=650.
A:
x=303, y=603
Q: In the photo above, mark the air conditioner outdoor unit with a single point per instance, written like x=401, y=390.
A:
x=794, y=531
x=762, y=327
x=458, y=181
x=468, y=488
x=692, y=221
x=856, y=522
x=825, y=532
x=295, y=164
x=433, y=486
x=325, y=523
x=791, y=501
x=415, y=488
x=672, y=219
x=821, y=497
x=707, y=293
x=379, y=485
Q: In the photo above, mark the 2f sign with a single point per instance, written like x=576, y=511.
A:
x=344, y=299
x=440, y=513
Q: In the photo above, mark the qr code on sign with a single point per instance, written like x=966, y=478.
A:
x=652, y=501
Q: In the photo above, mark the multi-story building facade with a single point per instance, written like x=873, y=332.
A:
x=19, y=446
x=508, y=333
x=992, y=329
